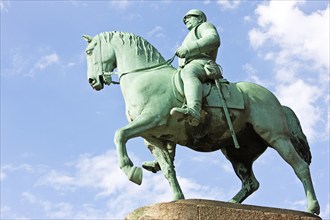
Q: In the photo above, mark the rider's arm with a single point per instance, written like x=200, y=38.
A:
x=208, y=39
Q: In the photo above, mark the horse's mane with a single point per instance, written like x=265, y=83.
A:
x=142, y=46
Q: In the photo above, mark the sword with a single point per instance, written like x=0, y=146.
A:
x=225, y=109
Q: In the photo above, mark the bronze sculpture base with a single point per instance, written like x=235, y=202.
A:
x=198, y=209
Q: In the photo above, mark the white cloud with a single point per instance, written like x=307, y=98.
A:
x=297, y=205
x=325, y=211
x=253, y=75
x=99, y=172
x=247, y=19
x=22, y=63
x=102, y=174
x=43, y=62
x=228, y=168
x=7, y=169
x=12, y=168
x=18, y=63
x=29, y=197
x=47, y=60
x=299, y=35
x=78, y=3
x=158, y=31
x=6, y=212
x=60, y=210
x=229, y=4
x=4, y=5
x=257, y=39
x=59, y=181
x=120, y=4
x=297, y=43
x=302, y=96
x=2, y=175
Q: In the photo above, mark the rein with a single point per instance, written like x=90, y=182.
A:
x=108, y=75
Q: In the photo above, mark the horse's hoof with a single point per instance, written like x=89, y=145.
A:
x=232, y=201
x=177, y=197
x=151, y=166
x=135, y=175
x=314, y=208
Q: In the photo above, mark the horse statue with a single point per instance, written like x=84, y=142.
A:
x=148, y=84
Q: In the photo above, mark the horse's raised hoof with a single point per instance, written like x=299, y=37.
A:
x=135, y=175
x=151, y=166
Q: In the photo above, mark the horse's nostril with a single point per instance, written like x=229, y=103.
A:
x=90, y=80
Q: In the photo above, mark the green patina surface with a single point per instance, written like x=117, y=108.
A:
x=151, y=98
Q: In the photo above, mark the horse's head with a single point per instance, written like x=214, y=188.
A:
x=101, y=59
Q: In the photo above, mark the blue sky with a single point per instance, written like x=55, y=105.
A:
x=58, y=159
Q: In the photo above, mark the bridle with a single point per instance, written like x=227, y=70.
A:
x=105, y=77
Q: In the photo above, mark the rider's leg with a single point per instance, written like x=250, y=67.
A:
x=193, y=76
x=193, y=92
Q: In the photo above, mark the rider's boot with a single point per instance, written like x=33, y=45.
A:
x=193, y=95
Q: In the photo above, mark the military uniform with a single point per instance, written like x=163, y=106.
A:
x=201, y=46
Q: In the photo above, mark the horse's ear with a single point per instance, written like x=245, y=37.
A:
x=87, y=38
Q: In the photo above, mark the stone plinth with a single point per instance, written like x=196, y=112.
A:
x=197, y=209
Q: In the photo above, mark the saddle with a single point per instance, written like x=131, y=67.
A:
x=231, y=93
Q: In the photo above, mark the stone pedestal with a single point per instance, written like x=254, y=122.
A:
x=197, y=209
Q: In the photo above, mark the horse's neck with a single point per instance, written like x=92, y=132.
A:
x=129, y=59
x=127, y=63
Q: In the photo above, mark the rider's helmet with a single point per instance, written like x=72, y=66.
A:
x=195, y=12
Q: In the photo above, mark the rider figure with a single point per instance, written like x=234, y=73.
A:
x=198, y=48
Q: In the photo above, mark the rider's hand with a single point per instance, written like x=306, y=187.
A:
x=181, y=52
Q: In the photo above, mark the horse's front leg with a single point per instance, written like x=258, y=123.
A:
x=133, y=129
x=165, y=157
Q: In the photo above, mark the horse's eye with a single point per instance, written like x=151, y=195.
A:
x=89, y=52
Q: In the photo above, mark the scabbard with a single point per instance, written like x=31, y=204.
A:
x=225, y=109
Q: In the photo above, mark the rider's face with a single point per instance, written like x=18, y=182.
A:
x=191, y=21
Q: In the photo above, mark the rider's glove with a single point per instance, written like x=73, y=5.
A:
x=182, y=52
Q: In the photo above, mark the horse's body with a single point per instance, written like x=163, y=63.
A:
x=150, y=95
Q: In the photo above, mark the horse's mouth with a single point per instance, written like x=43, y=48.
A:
x=97, y=84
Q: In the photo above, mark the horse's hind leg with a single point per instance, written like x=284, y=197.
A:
x=301, y=168
x=165, y=159
x=244, y=171
x=153, y=166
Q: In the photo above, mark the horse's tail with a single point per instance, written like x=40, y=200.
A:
x=297, y=136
